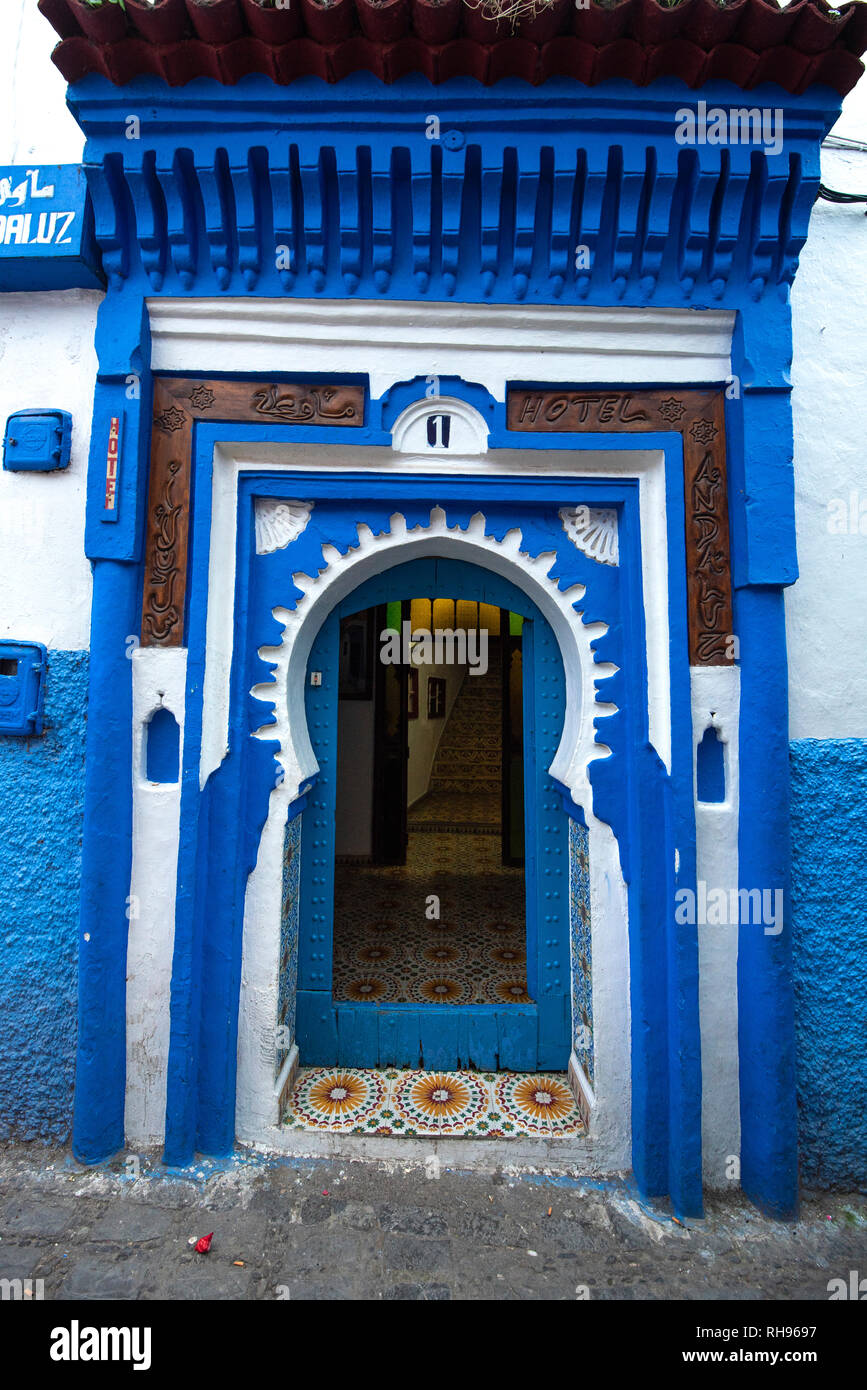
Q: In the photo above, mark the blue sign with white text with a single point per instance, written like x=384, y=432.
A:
x=46, y=229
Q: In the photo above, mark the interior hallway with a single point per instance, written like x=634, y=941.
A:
x=386, y=945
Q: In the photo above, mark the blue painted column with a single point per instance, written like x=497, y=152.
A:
x=766, y=1026
x=764, y=561
x=106, y=859
x=114, y=543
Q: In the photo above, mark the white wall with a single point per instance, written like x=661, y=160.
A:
x=46, y=359
x=34, y=120
x=826, y=610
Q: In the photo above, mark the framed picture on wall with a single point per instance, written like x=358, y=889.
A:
x=436, y=697
x=412, y=693
x=356, y=657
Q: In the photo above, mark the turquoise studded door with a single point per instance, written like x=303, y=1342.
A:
x=530, y=1035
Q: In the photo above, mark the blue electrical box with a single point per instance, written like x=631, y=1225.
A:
x=37, y=441
x=22, y=687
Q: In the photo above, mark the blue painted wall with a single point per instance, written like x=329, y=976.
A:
x=41, y=791
x=829, y=868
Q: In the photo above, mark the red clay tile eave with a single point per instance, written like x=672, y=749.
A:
x=746, y=42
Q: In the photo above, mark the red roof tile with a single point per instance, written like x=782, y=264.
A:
x=745, y=42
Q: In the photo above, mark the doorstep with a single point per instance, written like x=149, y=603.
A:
x=405, y=1104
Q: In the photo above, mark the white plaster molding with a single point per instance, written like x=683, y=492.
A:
x=257, y=1098
x=468, y=432
x=593, y=530
x=158, y=680
x=344, y=572
x=486, y=343
x=715, y=700
x=279, y=522
x=611, y=1117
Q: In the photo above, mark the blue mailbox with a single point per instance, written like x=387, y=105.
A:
x=22, y=687
x=37, y=441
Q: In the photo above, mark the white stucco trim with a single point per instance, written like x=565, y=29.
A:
x=715, y=698
x=158, y=678
x=468, y=432
x=257, y=1115
x=486, y=343
x=611, y=1113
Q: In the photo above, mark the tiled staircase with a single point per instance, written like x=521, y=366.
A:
x=469, y=756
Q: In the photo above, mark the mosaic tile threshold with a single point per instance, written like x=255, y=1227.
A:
x=430, y=1104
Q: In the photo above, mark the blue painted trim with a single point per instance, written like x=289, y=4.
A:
x=163, y=747
x=367, y=205
x=124, y=389
x=769, y=1168
x=106, y=862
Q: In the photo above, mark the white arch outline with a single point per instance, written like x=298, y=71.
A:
x=475, y=425
x=344, y=572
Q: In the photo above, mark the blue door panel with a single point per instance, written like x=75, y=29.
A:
x=315, y=944
x=399, y=1038
x=357, y=1036
x=517, y=1039
x=439, y=1039
x=549, y=923
x=483, y=1043
x=316, y=1028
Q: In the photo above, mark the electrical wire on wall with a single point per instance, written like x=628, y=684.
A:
x=833, y=195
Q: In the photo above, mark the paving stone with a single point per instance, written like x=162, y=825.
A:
x=320, y=1209
x=427, y=1293
x=93, y=1278
x=211, y=1281
x=360, y=1215
x=318, y=1250
x=413, y=1221
x=136, y=1222
x=33, y=1217
x=19, y=1261
x=413, y=1253
x=485, y=1228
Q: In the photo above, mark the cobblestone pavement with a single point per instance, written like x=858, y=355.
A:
x=304, y=1229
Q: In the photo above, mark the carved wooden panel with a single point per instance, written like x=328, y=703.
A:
x=177, y=404
x=700, y=419
x=162, y=623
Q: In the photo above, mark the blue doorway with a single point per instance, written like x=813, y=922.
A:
x=517, y=873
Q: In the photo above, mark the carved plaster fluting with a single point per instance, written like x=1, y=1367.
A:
x=594, y=531
x=279, y=522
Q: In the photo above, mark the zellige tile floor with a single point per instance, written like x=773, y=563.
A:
x=496, y=1105
x=388, y=950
